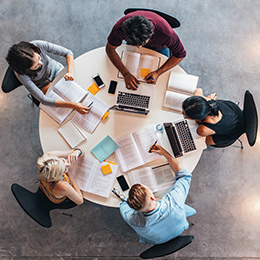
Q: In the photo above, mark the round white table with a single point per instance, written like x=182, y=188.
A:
x=117, y=123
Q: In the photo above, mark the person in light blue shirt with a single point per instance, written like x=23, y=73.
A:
x=157, y=222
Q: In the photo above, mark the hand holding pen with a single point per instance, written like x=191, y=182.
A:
x=153, y=146
x=152, y=77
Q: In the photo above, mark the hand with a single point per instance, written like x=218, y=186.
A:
x=69, y=76
x=73, y=157
x=81, y=108
x=158, y=149
x=213, y=96
x=152, y=77
x=131, y=82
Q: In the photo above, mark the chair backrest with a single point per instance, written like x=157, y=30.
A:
x=10, y=82
x=37, y=205
x=173, y=22
x=250, y=117
x=167, y=248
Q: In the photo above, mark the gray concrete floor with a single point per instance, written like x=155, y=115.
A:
x=223, y=45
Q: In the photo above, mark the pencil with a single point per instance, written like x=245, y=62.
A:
x=90, y=104
x=153, y=146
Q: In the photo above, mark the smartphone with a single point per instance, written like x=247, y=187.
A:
x=112, y=87
x=98, y=81
x=122, y=182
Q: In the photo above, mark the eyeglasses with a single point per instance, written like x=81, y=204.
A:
x=118, y=194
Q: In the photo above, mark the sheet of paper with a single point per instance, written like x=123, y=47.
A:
x=91, y=120
x=127, y=155
x=144, y=72
x=173, y=100
x=93, y=89
x=131, y=61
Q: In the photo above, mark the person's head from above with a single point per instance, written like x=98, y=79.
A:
x=52, y=168
x=138, y=30
x=141, y=198
x=24, y=58
x=198, y=108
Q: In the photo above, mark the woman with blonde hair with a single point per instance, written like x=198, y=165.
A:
x=55, y=179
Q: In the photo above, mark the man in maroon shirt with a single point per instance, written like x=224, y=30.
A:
x=144, y=29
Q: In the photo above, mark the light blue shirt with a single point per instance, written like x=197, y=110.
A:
x=168, y=219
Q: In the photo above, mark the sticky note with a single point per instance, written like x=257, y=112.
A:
x=105, y=115
x=106, y=169
x=93, y=89
x=144, y=72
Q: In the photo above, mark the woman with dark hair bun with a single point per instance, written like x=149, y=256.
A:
x=220, y=121
x=36, y=70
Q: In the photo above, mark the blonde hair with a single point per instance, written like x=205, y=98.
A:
x=50, y=168
x=137, y=197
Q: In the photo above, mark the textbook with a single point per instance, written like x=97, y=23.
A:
x=139, y=65
x=156, y=178
x=91, y=120
x=72, y=134
x=66, y=91
x=90, y=178
x=133, y=149
x=180, y=86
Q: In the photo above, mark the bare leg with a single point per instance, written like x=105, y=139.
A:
x=209, y=140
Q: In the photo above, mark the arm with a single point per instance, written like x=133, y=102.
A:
x=175, y=165
x=82, y=109
x=169, y=64
x=125, y=211
x=70, y=67
x=71, y=155
x=130, y=80
x=199, y=92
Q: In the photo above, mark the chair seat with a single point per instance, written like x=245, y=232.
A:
x=167, y=248
x=10, y=82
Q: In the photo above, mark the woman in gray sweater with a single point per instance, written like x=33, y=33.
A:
x=36, y=70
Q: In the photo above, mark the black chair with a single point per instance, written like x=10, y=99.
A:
x=167, y=248
x=37, y=205
x=173, y=22
x=250, y=117
x=10, y=81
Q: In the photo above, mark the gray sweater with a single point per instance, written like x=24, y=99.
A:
x=34, y=84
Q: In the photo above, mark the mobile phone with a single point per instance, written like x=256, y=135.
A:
x=122, y=182
x=98, y=81
x=112, y=87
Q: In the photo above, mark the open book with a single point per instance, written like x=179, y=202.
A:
x=72, y=134
x=133, y=149
x=91, y=120
x=66, y=91
x=157, y=178
x=90, y=178
x=180, y=86
x=139, y=65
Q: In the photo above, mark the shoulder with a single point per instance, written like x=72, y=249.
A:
x=202, y=130
x=40, y=44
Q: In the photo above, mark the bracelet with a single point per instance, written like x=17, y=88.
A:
x=125, y=74
x=80, y=151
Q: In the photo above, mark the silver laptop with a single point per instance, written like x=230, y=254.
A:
x=133, y=101
x=183, y=138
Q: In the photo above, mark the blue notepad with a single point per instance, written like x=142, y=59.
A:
x=104, y=148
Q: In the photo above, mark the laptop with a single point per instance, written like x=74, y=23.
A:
x=133, y=101
x=183, y=138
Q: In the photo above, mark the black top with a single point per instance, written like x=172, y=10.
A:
x=231, y=125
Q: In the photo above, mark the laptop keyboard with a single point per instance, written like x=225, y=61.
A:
x=134, y=100
x=173, y=139
x=185, y=136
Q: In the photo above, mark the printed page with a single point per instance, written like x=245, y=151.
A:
x=59, y=114
x=70, y=90
x=71, y=134
x=148, y=62
x=165, y=176
x=91, y=120
x=144, y=138
x=83, y=171
x=127, y=155
x=182, y=82
x=101, y=184
x=173, y=100
x=131, y=61
x=143, y=176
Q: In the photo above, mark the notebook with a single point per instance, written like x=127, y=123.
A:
x=133, y=101
x=183, y=138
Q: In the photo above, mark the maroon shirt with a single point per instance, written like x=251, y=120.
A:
x=163, y=36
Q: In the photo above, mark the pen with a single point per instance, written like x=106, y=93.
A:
x=151, y=78
x=153, y=146
x=90, y=104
